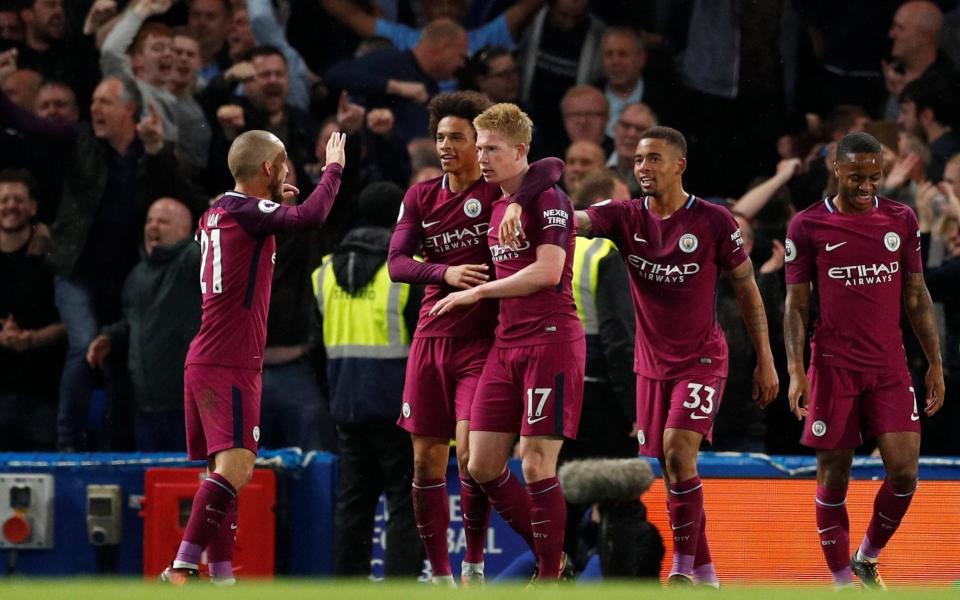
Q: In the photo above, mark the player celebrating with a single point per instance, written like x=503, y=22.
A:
x=675, y=246
x=536, y=365
x=448, y=218
x=223, y=365
x=861, y=254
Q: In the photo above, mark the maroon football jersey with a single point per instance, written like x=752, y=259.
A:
x=856, y=265
x=674, y=266
x=549, y=315
x=237, y=245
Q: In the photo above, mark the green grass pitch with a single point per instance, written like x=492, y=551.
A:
x=297, y=589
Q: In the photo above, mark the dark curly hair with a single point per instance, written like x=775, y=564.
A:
x=466, y=105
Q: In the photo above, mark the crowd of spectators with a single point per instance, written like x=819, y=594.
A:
x=116, y=117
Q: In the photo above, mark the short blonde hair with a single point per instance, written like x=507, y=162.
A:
x=250, y=150
x=507, y=120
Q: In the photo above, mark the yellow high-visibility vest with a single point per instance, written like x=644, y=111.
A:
x=586, y=265
x=368, y=324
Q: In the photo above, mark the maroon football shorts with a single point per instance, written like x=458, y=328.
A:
x=442, y=376
x=222, y=409
x=843, y=405
x=686, y=402
x=534, y=390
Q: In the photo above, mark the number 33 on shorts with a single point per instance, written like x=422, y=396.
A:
x=701, y=400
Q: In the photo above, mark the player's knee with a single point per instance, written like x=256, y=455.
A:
x=463, y=462
x=425, y=468
x=535, y=467
x=244, y=475
x=482, y=471
x=680, y=465
x=904, y=479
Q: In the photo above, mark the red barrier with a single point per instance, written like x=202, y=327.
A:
x=166, y=509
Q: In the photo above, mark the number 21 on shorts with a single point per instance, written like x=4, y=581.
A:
x=701, y=397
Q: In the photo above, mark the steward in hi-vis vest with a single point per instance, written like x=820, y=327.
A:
x=367, y=322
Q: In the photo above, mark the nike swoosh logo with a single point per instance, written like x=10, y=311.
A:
x=637, y=238
x=914, y=417
x=537, y=420
x=832, y=247
x=428, y=225
x=233, y=526
x=681, y=526
x=697, y=417
x=825, y=529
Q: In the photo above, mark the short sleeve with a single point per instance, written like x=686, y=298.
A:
x=606, y=217
x=910, y=255
x=551, y=219
x=800, y=253
x=730, y=252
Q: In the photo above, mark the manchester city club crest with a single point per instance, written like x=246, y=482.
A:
x=818, y=428
x=689, y=242
x=892, y=241
x=472, y=208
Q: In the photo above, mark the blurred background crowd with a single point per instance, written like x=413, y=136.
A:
x=116, y=117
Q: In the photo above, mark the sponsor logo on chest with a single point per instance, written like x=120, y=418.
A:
x=453, y=239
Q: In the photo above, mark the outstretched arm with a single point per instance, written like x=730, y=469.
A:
x=919, y=309
x=755, y=199
x=362, y=23
x=544, y=272
x=795, y=319
x=542, y=175
x=520, y=14
x=765, y=382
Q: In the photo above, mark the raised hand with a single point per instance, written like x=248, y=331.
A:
x=335, y=149
x=150, y=130
x=150, y=8
x=231, y=119
x=8, y=63
x=241, y=71
x=380, y=121
x=100, y=12
x=349, y=114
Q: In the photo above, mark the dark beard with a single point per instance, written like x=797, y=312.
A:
x=276, y=194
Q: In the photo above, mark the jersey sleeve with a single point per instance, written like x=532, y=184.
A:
x=606, y=219
x=550, y=217
x=800, y=253
x=910, y=256
x=266, y=217
x=541, y=176
x=407, y=237
x=730, y=253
